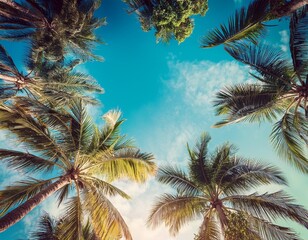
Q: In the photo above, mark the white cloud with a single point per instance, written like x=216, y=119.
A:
x=137, y=210
x=197, y=82
x=284, y=40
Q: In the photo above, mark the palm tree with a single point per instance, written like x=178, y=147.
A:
x=55, y=26
x=249, y=23
x=170, y=18
x=49, y=228
x=281, y=94
x=81, y=160
x=50, y=82
x=215, y=189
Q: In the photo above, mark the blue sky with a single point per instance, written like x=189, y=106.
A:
x=165, y=93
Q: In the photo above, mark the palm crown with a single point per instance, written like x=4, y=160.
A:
x=82, y=160
x=55, y=26
x=47, y=81
x=214, y=190
x=283, y=91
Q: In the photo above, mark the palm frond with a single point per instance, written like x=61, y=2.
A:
x=106, y=220
x=62, y=194
x=126, y=163
x=45, y=229
x=178, y=180
x=198, y=167
x=246, y=23
x=246, y=102
x=272, y=231
x=175, y=211
x=222, y=161
x=270, y=206
x=31, y=131
x=112, y=118
x=71, y=225
x=7, y=64
x=81, y=126
x=246, y=174
x=102, y=186
x=109, y=138
x=299, y=42
x=25, y=161
x=291, y=140
x=269, y=62
x=20, y=192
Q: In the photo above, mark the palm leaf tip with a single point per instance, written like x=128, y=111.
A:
x=245, y=24
x=112, y=117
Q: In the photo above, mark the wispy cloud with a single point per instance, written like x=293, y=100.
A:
x=197, y=82
x=284, y=40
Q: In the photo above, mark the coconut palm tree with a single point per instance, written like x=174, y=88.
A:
x=217, y=186
x=49, y=228
x=54, y=26
x=170, y=18
x=81, y=160
x=50, y=82
x=249, y=23
x=281, y=94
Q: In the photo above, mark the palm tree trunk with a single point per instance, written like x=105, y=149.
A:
x=222, y=217
x=289, y=8
x=21, y=211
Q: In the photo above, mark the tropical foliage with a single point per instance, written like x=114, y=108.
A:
x=215, y=190
x=281, y=94
x=49, y=228
x=249, y=23
x=55, y=27
x=63, y=153
x=47, y=81
x=82, y=161
x=169, y=18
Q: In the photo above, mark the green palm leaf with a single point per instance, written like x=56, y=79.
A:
x=198, y=166
x=245, y=24
x=176, y=210
x=20, y=192
x=31, y=131
x=82, y=126
x=272, y=231
x=290, y=139
x=299, y=42
x=71, y=227
x=126, y=163
x=25, y=161
x=270, y=63
x=103, y=187
x=107, y=221
x=178, y=180
x=46, y=229
x=270, y=206
x=7, y=64
x=246, y=174
x=247, y=102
